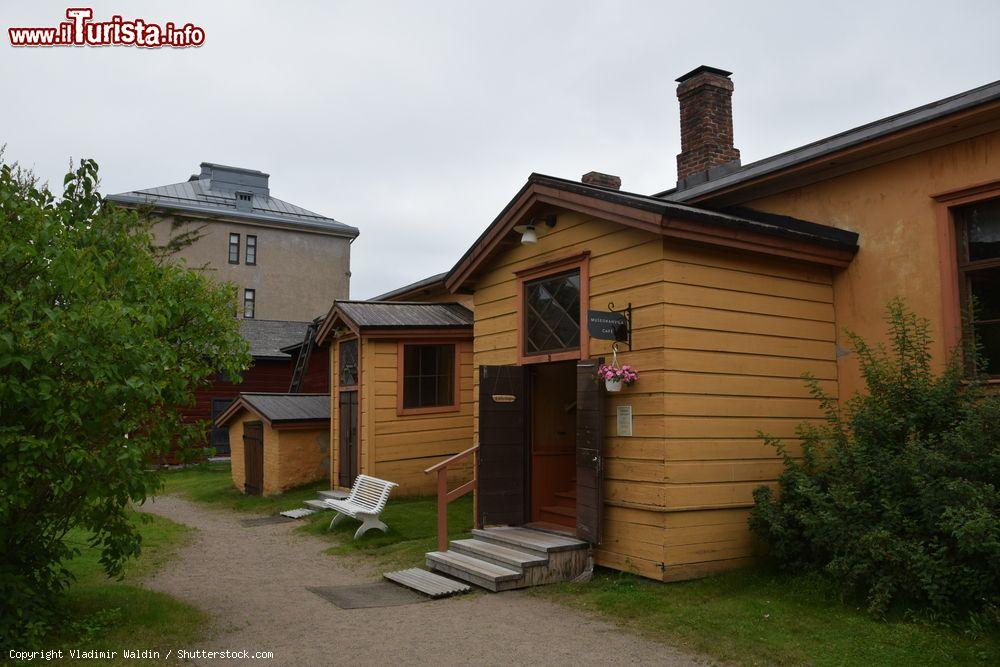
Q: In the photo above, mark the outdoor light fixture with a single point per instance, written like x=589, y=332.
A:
x=528, y=233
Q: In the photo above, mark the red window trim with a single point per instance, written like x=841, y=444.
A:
x=437, y=409
x=580, y=261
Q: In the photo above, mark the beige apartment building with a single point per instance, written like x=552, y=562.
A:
x=288, y=263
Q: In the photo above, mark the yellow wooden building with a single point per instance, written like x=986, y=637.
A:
x=738, y=281
x=401, y=390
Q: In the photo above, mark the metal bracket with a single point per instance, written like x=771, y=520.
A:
x=627, y=311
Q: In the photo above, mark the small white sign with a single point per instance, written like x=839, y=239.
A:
x=625, y=420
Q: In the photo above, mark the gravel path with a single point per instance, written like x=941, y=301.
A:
x=252, y=581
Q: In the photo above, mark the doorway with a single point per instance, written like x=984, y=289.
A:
x=347, y=418
x=552, y=443
x=253, y=458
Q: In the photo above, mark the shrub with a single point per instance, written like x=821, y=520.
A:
x=897, y=495
x=99, y=344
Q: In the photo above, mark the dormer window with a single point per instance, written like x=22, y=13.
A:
x=244, y=200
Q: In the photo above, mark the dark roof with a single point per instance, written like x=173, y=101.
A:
x=405, y=314
x=213, y=193
x=747, y=219
x=859, y=135
x=267, y=337
x=281, y=408
x=437, y=278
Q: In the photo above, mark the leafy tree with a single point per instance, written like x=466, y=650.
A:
x=99, y=344
x=897, y=496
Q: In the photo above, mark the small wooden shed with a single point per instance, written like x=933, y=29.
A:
x=278, y=441
x=401, y=390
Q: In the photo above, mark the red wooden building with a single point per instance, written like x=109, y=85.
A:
x=275, y=347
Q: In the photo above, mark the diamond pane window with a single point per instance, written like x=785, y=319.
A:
x=552, y=313
x=349, y=363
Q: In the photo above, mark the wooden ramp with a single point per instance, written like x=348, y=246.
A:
x=428, y=583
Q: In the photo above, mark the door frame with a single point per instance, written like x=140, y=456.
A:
x=357, y=388
x=259, y=427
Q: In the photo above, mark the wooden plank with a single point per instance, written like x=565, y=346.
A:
x=693, y=295
x=428, y=583
x=713, y=319
x=589, y=453
x=763, y=364
x=723, y=341
x=735, y=280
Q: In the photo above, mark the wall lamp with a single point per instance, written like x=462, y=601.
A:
x=528, y=232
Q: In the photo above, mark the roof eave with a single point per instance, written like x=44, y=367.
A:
x=341, y=230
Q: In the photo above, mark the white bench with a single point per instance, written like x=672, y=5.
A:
x=365, y=503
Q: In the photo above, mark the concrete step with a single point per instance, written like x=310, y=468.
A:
x=473, y=570
x=333, y=495
x=525, y=539
x=498, y=555
x=428, y=583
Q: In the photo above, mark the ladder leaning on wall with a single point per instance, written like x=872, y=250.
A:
x=302, y=363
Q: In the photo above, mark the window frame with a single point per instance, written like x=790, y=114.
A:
x=252, y=294
x=246, y=250
x=580, y=262
x=357, y=365
x=952, y=264
x=456, y=402
x=237, y=244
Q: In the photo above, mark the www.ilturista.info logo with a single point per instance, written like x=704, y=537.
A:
x=80, y=30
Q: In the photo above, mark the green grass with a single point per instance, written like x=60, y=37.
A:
x=212, y=484
x=412, y=531
x=113, y=615
x=412, y=521
x=757, y=617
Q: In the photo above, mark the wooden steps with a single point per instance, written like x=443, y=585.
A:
x=560, y=515
x=504, y=558
x=428, y=583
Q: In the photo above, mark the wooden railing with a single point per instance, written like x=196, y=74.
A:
x=445, y=496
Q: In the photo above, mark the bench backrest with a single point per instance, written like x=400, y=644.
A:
x=371, y=493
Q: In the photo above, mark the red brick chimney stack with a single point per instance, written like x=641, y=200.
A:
x=707, y=151
x=602, y=180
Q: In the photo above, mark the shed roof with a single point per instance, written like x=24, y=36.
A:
x=213, y=192
x=267, y=337
x=424, y=283
x=405, y=314
x=280, y=409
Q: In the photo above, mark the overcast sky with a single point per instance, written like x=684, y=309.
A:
x=417, y=121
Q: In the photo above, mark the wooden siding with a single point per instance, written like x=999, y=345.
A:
x=400, y=447
x=740, y=333
x=625, y=265
x=721, y=339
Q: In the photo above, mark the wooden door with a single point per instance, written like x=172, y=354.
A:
x=502, y=459
x=220, y=435
x=347, y=464
x=589, y=452
x=253, y=458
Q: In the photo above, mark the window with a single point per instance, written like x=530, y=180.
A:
x=234, y=248
x=428, y=378
x=251, y=249
x=249, y=298
x=349, y=363
x=979, y=275
x=552, y=313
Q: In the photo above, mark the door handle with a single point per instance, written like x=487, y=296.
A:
x=595, y=459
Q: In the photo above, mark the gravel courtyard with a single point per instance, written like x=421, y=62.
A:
x=253, y=582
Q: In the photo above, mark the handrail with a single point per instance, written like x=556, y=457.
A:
x=445, y=496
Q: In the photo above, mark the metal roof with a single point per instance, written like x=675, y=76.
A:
x=412, y=287
x=405, y=314
x=267, y=337
x=879, y=128
x=213, y=192
x=280, y=408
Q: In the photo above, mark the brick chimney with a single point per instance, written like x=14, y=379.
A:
x=601, y=180
x=705, y=95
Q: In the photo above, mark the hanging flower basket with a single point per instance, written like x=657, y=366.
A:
x=615, y=376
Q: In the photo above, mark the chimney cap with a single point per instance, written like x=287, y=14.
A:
x=703, y=69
